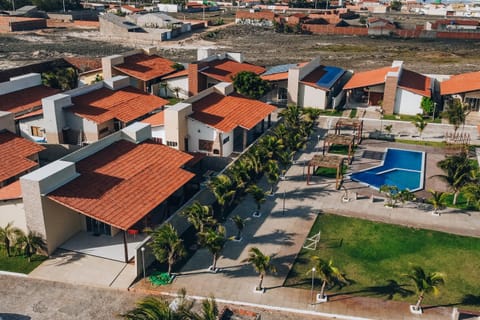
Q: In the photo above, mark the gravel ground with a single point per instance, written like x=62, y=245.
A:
x=260, y=46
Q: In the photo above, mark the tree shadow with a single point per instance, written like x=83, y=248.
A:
x=390, y=289
x=471, y=300
x=13, y=316
x=280, y=237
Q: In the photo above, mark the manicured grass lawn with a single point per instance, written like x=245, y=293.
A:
x=18, y=263
x=370, y=254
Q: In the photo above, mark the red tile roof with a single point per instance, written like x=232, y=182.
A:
x=84, y=64
x=276, y=76
x=225, y=113
x=15, y=152
x=145, y=67
x=131, y=9
x=460, y=83
x=125, y=104
x=181, y=73
x=312, y=78
x=369, y=78
x=225, y=70
x=416, y=83
x=11, y=191
x=122, y=183
x=267, y=15
x=25, y=100
x=157, y=119
x=35, y=113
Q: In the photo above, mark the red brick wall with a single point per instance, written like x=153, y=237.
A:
x=458, y=35
x=330, y=29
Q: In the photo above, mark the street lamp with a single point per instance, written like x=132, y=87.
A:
x=318, y=143
x=313, y=279
x=303, y=170
x=143, y=261
x=283, y=211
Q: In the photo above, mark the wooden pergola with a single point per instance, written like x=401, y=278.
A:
x=343, y=140
x=327, y=161
x=352, y=124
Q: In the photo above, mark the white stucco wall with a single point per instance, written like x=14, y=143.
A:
x=159, y=132
x=227, y=147
x=311, y=97
x=407, y=102
x=26, y=124
x=12, y=211
x=180, y=82
x=196, y=131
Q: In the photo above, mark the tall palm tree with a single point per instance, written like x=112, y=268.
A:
x=270, y=146
x=471, y=191
x=328, y=273
x=240, y=174
x=32, y=242
x=258, y=195
x=8, y=235
x=425, y=283
x=254, y=164
x=420, y=123
x=166, y=245
x=209, y=311
x=200, y=216
x=261, y=263
x=240, y=224
x=272, y=172
x=456, y=113
x=223, y=189
x=152, y=308
x=457, y=170
x=285, y=159
x=437, y=200
x=214, y=240
x=292, y=116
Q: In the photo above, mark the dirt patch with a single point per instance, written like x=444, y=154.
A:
x=260, y=46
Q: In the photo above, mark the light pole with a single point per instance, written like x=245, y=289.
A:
x=283, y=211
x=318, y=143
x=143, y=261
x=313, y=279
x=303, y=170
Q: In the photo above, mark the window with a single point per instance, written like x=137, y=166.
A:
x=36, y=131
x=282, y=93
x=172, y=143
x=226, y=139
x=205, y=145
x=103, y=130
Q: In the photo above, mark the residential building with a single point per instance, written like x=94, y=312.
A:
x=217, y=121
x=395, y=89
x=210, y=70
x=87, y=114
x=117, y=185
x=465, y=86
x=89, y=69
x=315, y=85
x=144, y=67
x=277, y=77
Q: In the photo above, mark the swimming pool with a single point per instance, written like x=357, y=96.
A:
x=402, y=168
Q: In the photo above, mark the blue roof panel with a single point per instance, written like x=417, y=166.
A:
x=332, y=74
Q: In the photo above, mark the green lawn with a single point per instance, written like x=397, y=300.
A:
x=370, y=254
x=18, y=263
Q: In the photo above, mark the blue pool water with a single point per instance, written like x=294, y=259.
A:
x=401, y=168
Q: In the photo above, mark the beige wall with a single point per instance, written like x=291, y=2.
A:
x=61, y=223
x=13, y=211
x=176, y=127
x=7, y=121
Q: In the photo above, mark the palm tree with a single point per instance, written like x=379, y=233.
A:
x=223, y=189
x=8, y=235
x=457, y=170
x=258, y=195
x=209, y=311
x=425, y=283
x=261, y=263
x=199, y=216
x=239, y=172
x=292, y=116
x=471, y=191
x=420, y=123
x=270, y=146
x=272, y=172
x=285, y=159
x=328, y=273
x=240, y=224
x=254, y=164
x=166, y=245
x=152, y=308
x=437, y=200
x=456, y=113
x=32, y=243
x=214, y=240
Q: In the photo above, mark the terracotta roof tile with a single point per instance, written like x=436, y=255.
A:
x=145, y=67
x=225, y=113
x=11, y=191
x=157, y=119
x=275, y=76
x=415, y=82
x=225, y=70
x=122, y=183
x=368, y=78
x=125, y=104
x=25, y=100
x=460, y=83
x=15, y=152
x=181, y=73
x=84, y=64
x=35, y=113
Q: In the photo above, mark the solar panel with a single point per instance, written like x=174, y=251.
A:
x=279, y=69
x=332, y=74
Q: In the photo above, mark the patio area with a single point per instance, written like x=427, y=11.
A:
x=104, y=246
